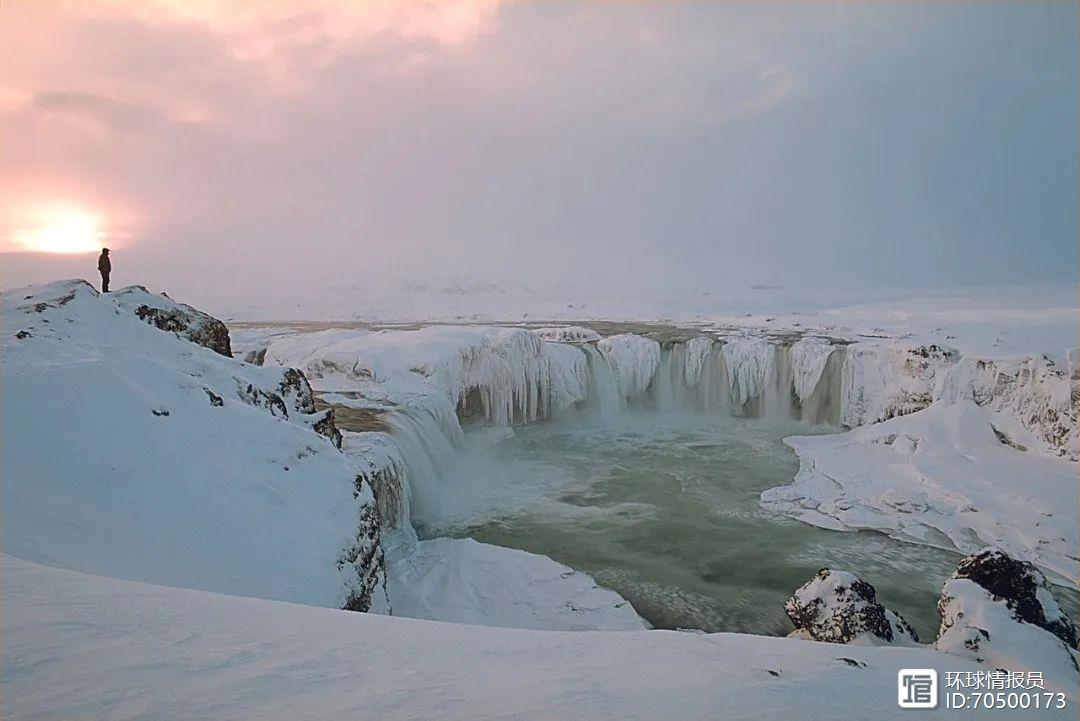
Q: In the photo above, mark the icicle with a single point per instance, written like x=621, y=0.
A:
x=808, y=359
x=568, y=377
x=749, y=363
x=697, y=352
x=823, y=405
x=633, y=360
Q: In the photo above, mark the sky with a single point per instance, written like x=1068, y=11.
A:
x=276, y=150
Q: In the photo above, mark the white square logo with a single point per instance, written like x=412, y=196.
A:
x=916, y=688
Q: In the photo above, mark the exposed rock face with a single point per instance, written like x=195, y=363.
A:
x=1000, y=611
x=253, y=395
x=325, y=425
x=365, y=555
x=294, y=388
x=162, y=312
x=1020, y=586
x=256, y=357
x=292, y=396
x=196, y=327
x=840, y=607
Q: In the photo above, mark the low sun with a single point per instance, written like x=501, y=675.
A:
x=61, y=228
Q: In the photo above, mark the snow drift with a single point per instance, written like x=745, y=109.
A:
x=79, y=646
x=941, y=476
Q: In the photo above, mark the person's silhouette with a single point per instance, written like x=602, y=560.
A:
x=105, y=266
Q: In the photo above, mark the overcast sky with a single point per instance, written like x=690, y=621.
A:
x=268, y=147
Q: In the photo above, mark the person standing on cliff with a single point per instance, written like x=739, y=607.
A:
x=105, y=266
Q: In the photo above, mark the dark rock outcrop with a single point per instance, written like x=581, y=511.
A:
x=1000, y=611
x=253, y=395
x=365, y=555
x=1019, y=585
x=294, y=387
x=325, y=425
x=292, y=397
x=840, y=607
x=191, y=324
x=256, y=357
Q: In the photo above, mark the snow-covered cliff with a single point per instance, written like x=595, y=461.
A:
x=138, y=453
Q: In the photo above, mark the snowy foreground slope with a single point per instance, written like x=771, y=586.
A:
x=81, y=646
x=136, y=453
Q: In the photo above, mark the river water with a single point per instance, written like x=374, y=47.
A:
x=664, y=510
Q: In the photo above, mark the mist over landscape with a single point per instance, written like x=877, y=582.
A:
x=353, y=153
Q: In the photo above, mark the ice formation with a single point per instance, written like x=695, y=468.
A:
x=697, y=351
x=633, y=360
x=568, y=377
x=569, y=334
x=809, y=357
x=431, y=381
x=749, y=361
x=882, y=380
x=1034, y=392
x=941, y=476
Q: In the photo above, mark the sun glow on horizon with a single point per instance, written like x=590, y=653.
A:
x=60, y=228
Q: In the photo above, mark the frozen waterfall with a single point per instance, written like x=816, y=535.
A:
x=427, y=384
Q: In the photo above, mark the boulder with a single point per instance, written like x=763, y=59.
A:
x=840, y=607
x=1000, y=611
